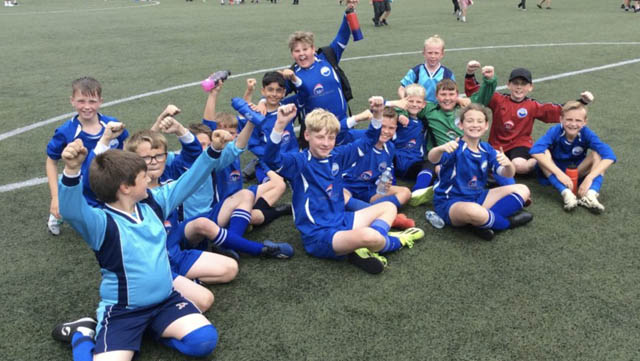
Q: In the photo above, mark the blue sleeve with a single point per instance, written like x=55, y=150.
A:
x=546, y=141
x=210, y=123
x=90, y=222
x=179, y=163
x=287, y=165
x=408, y=79
x=492, y=158
x=56, y=145
x=349, y=153
x=291, y=99
x=173, y=194
x=603, y=149
x=342, y=38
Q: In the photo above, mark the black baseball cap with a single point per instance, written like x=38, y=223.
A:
x=520, y=73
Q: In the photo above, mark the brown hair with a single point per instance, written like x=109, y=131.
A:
x=473, y=106
x=390, y=112
x=226, y=120
x=86, y=86
x=111, y=169
x=199, y=128
x=300, y=37
x=446, y=84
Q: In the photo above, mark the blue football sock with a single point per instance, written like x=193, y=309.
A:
x=503, y=181
x=391, y=244
x=423, y=179
x=228, y=239
x=381, y=226
x=82, y=347
x=392, y=198
x=556, y=183
x=354, y=204
x=508, y=205
x=496, y=222
x=198, y=343
x=239, y=221
x=596, y=184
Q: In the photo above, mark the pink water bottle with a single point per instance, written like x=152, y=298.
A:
x=215, y=78
x=354, y=24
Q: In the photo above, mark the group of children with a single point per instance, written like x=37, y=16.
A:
x=187, y=212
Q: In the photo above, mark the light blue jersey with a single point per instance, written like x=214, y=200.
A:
x=420, y=75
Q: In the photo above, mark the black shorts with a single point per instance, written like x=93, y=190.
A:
x=387, y=5
x=518, y=152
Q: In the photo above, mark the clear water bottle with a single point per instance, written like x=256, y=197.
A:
x=384, y=178
x=434, y=219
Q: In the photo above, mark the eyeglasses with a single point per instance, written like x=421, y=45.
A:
x=158, y=158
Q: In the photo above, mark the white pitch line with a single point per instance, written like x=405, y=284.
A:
x=151, y=3
x=27, y=128
x=36, y=181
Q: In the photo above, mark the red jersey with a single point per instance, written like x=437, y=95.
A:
x=512, y=122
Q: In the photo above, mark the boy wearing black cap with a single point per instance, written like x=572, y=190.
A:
x=513, y=116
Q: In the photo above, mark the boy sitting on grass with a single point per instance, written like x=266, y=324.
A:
x=566, y=145
x=129, y=239
x=461, y=197
x=361, y=181
x=328, y=231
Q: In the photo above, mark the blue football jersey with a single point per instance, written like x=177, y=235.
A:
x=409, y=143
x=565, y=153
x=362, y=176
x=463, y=173
x=427, y=80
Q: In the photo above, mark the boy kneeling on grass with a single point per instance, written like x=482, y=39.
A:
x=129, y=239
x=327, y=229
x=567, y=144
x=461, y=197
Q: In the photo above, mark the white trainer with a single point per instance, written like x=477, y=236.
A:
x=590, y=201
x=570, y=200
x=54, y=225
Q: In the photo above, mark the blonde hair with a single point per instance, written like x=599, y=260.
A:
x=415, y=90
x=226, y=120
x=320, y=119
x=434, y=40
x=300, y=37
x=573, y=105
x=156, y=139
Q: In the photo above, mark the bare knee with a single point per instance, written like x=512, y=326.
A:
x=229, y=269
x=522, y=190
x=204, y=300
x=403, y=194
x=372, y=239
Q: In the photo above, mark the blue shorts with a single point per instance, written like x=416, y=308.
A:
x=261, y=174
x=320, y=242
x=363, y=193
x=181, y=260
x=121, y=329
x=442, y=205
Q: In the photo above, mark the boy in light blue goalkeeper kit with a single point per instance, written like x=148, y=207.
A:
x=460, y=196
x=431, y=72
x=129, y=240
x=88, y=125
x=328, y=231
x=566, y=144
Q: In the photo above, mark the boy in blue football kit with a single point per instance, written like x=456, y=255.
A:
x=328, y=231
x=88, y=125
x=461, y=197
x=129, y=240
x=566, y=145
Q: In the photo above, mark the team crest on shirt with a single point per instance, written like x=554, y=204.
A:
x=508, y=125
x=113, y=144
x=329, y=190
x=325, y=71
x=411, y=144
x=382, y=166
x=452, y=135
x=577, y=150
x=473, y=182
x=366, y=175
x=235, y=176
x=335, y=168
x=522, y=112
x=483, y=166
x=318, y=89
x=286, y=137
